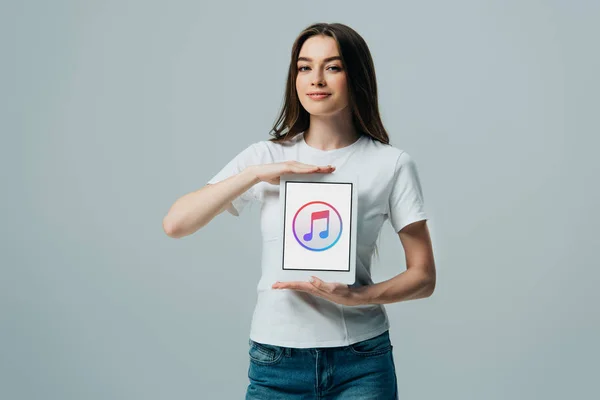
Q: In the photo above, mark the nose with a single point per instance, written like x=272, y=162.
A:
x=318, y=79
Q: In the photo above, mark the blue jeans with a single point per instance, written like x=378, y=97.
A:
x=361, y=371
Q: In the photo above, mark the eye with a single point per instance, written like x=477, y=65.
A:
x=332, y=66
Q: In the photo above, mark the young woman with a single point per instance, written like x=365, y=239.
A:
x=324, y=339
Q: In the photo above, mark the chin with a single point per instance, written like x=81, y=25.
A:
x=324, y=110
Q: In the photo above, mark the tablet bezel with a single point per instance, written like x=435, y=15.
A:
x=347, y=277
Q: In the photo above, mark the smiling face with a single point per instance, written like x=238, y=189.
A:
x=320, y=69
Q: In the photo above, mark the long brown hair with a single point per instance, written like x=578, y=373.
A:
x=362, y=86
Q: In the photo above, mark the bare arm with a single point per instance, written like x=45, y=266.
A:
x=418, y=281
x=196, y=209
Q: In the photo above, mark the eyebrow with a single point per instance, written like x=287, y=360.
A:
x=325, y=60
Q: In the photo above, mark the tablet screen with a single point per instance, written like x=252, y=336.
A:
x=317, y=225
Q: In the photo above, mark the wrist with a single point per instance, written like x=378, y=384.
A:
x=363, y=295
x=250, y=173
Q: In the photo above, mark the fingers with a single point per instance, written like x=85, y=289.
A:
x=307, y=169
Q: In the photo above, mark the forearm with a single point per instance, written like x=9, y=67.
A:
x=409, y=285
x=196, y=209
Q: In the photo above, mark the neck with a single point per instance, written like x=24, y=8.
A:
x=331, y=132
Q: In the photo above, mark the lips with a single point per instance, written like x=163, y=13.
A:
x=317, y=96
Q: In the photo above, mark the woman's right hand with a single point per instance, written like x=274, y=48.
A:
x=271, y=172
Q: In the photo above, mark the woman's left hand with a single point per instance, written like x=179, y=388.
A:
x=337, y=292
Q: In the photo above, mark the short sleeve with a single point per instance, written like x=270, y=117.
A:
x=406, y=203
x=249, y=156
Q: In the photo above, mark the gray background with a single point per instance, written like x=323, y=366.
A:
x=111, y=110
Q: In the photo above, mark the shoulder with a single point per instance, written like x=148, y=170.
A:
x=261, y=149
x=273, y=150
x=388, y=154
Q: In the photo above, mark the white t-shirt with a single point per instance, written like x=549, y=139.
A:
x=388, y=189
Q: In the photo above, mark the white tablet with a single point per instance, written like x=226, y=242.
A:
x=319, y=227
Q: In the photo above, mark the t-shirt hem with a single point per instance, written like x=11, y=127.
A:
x=411, y=219
x=321, y=343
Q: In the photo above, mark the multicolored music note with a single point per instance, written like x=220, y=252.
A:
x=313, y=217
x=313, y=211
